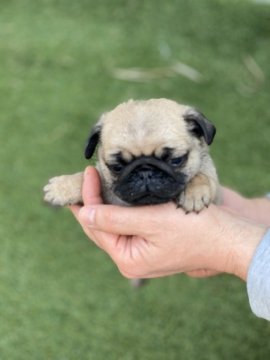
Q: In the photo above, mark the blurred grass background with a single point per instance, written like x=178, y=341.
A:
x=60, y=297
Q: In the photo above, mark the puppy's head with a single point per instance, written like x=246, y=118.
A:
x=149, y=150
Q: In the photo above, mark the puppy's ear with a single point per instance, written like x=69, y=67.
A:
x=93, y=140
x=200, y=126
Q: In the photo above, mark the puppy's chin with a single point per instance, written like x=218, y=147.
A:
x=147, y=199
x=149, y=181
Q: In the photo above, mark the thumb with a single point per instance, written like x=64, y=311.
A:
x=91, y=189
x=123, y=220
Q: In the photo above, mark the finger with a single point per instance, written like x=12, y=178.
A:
x=127, y=221
x=92, y=234
x=91, y=189
x=75, y=209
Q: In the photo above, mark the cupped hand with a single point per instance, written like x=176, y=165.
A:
x=160, y=240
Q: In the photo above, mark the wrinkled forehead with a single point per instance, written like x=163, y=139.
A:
x=144, y=129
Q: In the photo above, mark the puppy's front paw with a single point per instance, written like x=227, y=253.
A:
x=64, y=190
x=196, y=195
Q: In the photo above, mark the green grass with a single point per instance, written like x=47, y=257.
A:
x=60, y=297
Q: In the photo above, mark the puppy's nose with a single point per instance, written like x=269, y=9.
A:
x=146, y=173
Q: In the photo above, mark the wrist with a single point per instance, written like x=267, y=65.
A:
x=256, y=209
x=260, y=210
x=244, y=239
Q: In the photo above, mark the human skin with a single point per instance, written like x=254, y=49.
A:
x=161, y=240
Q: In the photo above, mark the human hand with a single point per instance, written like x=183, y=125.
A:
x=160, y=240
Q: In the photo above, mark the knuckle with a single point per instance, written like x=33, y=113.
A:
x=130, y=270
x=128, y=274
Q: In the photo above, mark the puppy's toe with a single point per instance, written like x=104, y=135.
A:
x=186, y=202
x=194, y=199
x=206, y=199
x=53, y=192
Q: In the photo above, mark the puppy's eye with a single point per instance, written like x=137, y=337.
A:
x=116, y=168
x=178, y=161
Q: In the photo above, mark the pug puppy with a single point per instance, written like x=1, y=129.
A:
x=149, y=152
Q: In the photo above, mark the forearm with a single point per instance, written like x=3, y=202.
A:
x=257, y=209
x=247, y=240
x=237, y=242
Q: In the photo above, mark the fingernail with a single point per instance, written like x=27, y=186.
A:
x=87, y=214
